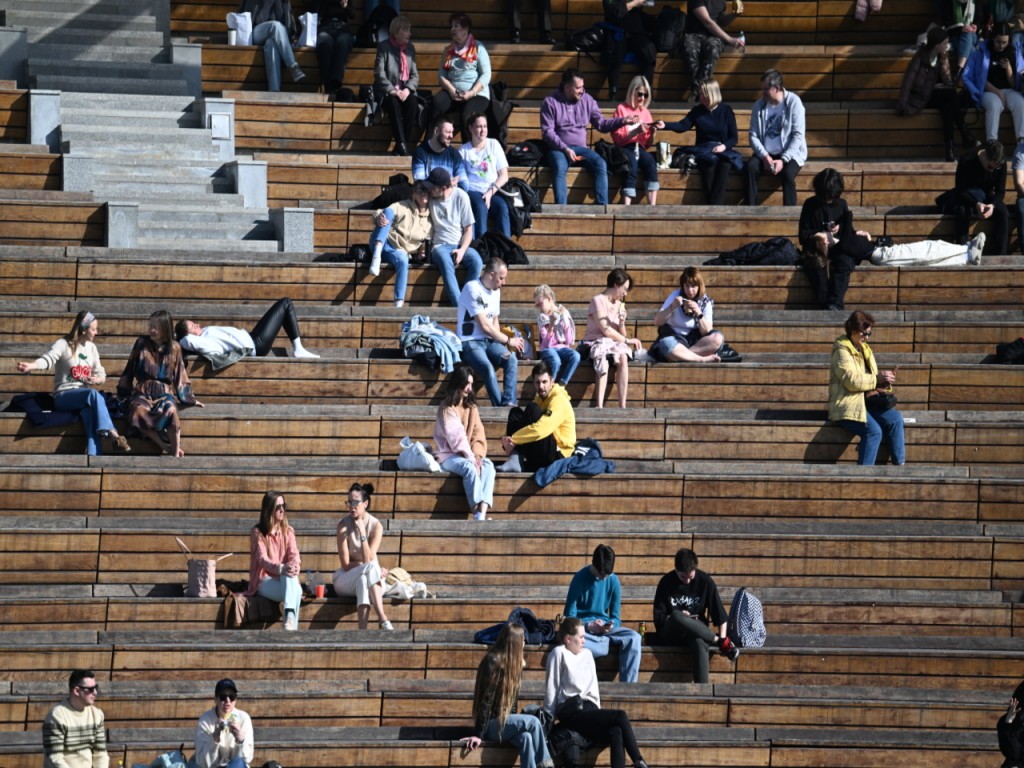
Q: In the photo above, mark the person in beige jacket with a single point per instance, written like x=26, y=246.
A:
x=853, y=383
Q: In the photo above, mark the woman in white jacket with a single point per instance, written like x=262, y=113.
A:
x=571, y=694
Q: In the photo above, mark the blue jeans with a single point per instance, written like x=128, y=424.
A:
x=479, y=485
x=274, y=38
x=498, y=211
x=527, y=734
x=648, y=168
x=441, y=257
x=92, y=410
x=890, y=424
x=237, y=762
x=283, y=589
x=396, y=257
x=628, y=643
x=486, y=355
x=561, y=360
x=591, y=161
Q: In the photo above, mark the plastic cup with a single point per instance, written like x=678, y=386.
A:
x=232, y=37
x=319, y=589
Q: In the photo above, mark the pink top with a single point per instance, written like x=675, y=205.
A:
x=600, y=306
x=557, y=330
x=632, y=134
x=266, y=553
x=458, y=431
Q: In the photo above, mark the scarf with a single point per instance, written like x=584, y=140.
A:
x=467, y=53
x=403, y=60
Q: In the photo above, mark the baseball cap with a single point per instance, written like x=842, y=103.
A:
x=439, y=177
x=224, y=685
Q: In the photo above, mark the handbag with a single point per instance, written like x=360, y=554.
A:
x=573, y=706
x=881, y=402
x=415, y=456
x=202, y=573
x=307, y=37
x=242, y=24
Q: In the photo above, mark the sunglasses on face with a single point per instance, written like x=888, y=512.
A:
x=89, y=689
x=642, y=94
x=866, y=334
x=282, y=505
x=227, y=697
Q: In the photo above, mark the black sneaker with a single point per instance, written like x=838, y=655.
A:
x=727, y=647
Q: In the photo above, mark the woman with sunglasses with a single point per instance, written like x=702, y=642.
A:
x=274, y=563
x=635, y=139
x=360, y=575
x=857, y=393
x=224, y=736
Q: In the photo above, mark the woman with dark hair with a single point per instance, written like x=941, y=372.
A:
x=395, y=80
x=832, y=247
x=715, y=146
x=572, y=695
x=461, y=442
x=76, y=372
x=486, y=169
x=274, y=562
x=928, y=83
x=606, y=336
x=334, y=42
x=686, y=326
x=156, y=383
x=857, y=393
x=464, y=75
x=494, y=701
x=360, y=575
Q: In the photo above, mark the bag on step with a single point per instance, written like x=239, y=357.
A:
x=242, y=24
x=415, y=456
x=202, y=573
x=746, y=620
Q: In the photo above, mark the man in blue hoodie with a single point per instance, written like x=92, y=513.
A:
x=595, y=597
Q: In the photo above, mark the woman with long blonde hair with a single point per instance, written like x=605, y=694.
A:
x=494, y=701
x=274, y=562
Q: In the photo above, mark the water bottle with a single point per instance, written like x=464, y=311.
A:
x=312, y=579
x=643, y=631
x=743, y=42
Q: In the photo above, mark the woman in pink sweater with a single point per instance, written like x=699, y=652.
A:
x=461, y=442
x=636, y=139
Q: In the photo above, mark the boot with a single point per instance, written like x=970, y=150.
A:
x=950, y=152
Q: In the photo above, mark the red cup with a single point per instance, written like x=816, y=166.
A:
x=319, y=591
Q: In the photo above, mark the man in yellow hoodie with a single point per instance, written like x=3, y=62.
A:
x=544, y=431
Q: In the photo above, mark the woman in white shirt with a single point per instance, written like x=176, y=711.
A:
x=76, y=372
x=360, y=575
x=486, y=173
x=571, y=695
x=223, y=345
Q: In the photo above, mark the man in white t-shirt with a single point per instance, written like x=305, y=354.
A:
x=451, y=213
x=778, y=137
x=485, y=347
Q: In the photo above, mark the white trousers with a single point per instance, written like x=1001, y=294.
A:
x=932, y=253
x=357, y=581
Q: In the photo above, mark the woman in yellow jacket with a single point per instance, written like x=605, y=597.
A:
x=853, y=380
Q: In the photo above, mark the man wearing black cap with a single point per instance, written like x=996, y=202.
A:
x=224, y=733
x=451, y=213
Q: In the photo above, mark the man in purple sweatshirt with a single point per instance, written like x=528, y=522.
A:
x=564, y=116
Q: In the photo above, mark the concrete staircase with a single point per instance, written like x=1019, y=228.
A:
x=99, y=46
x=129, y=128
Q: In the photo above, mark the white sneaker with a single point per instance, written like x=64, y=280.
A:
x=386, y=626
x=479, y=515
x=302, y=352
x=975, y=248
x=290, y=625
x=399, y=303
x=375, y=264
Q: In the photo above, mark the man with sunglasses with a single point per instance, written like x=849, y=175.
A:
x=224, y=733
x=74, y=735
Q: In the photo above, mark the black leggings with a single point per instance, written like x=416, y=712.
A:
x=282, y=314
x=607, y=726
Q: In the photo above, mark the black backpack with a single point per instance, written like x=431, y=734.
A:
x=381, y=18
x=1010, y=353
x=494, y=244
x=520, y=215
x=529, y=153
x=398, y=188
x=589, y=40
x=500, y=109
x=670, y=27
x=613, y=155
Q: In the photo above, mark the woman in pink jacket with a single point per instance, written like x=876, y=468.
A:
x=636, y=139
x=461, y=442
x=274, y=563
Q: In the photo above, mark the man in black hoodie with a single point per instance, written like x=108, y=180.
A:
x=685, y=601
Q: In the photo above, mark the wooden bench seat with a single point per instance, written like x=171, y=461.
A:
x=52, y=222
x=655, y=441
x=29, y=170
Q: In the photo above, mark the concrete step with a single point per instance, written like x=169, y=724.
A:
x=133, y=102
x=144, y=153
x=198, y=230
x=109, y=85
x=155, y=243
x=172, y=201
x=112, y=37
x=97, y=52
x=141, y=189
x=131, y=7
x=158, y=137
x=141, y=168
x=75, y=117
x=105, y=70
x=42, y=20
x=154, y=213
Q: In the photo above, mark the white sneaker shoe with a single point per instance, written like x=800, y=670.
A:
x=386, y=626
x=479, y=515
x=375, y=264
x=302, y=352
x=975, y=248
x=290, y=625
x=399, y=303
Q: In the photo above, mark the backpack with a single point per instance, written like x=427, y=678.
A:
x=1010, y=353
x=397, y=189
x=379, y=20
x=492, y=243
x=670, y=27
x=523, y=202
x=614, y=157
x=529, y=153
x=746, y=620
x=589, y=40
x=500, y=109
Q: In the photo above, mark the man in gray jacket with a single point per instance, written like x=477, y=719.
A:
x=777, y=136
